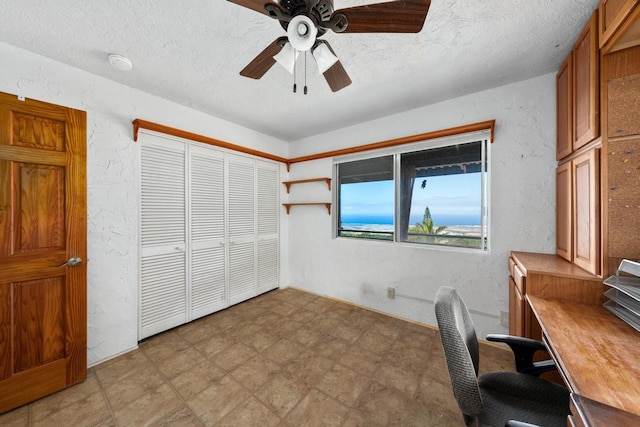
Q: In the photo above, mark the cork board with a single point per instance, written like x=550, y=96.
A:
x=624, y=198
x=624, y=106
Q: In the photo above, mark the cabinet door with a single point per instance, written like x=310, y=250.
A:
x=163, y=293
x=207, y=225
x=564, y=90
x=268, y=187
x=586, y=209
x=516, y=310
x=612, y=15
x=242, y=228
x=564, y=212
x=585, y=85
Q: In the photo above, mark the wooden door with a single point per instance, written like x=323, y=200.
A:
x=43, y=314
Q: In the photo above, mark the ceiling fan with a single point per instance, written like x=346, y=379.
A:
x=305, y=21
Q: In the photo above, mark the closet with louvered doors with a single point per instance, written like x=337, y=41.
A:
x=209, y=231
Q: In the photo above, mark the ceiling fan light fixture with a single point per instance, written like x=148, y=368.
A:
x=324, y=57
x=302, y=33
x=287, y=57
x=306, y=20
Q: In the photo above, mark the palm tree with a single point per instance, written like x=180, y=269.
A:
x=427, y=226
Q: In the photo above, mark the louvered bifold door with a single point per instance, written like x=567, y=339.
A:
x=163, y=236
x=267, y=185
x=207, y=216
x=241, y=228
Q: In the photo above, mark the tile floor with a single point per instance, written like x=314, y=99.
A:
x=285, y=358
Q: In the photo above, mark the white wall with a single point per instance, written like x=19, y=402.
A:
x=113, y=161
x=522, y=215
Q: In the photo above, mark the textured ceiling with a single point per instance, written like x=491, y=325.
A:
x=191, y=51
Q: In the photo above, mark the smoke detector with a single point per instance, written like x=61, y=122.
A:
x=120, y=62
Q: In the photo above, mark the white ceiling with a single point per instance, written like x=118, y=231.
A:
x=191, y=51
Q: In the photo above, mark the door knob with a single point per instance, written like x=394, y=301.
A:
x=71, y=262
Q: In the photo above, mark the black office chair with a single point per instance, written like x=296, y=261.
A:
x=495, y=398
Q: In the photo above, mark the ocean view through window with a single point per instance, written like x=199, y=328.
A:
x=435, y=196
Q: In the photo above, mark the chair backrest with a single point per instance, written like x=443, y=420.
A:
x=461, y=350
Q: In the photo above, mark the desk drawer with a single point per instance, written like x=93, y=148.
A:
x=512, y=264
x=519, y=278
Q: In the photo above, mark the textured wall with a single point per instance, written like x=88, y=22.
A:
x=522, y=197
x=112, y=179
x=522, y=210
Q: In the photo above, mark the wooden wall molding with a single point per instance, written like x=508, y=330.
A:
x=458, y=130
x=143, y=124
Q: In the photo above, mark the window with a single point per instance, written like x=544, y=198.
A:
x=434, y=195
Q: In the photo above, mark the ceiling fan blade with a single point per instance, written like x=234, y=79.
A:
x=401, y=16
x=257, y=5
x=264, y=61
x=336, y=75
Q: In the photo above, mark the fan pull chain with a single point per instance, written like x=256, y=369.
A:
x=295, y=87
x=305, y=72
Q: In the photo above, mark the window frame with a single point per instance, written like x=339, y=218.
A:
x=485, y=139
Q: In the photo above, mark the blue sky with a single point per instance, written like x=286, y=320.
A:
x=457, y=195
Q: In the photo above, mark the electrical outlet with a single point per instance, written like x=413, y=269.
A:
x=504, y=319
x=391, y=292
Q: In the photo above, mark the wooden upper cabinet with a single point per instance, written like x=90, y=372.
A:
x=586, y=211
x=585, y=85
x=564, y=241
x=564, y=108
x=613, y=16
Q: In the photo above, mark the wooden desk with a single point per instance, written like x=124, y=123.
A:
x=589, y=413
x=597, y=353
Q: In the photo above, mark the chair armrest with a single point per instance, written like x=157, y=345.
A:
x=514, y=423
x=512, y=340
x=523, y=350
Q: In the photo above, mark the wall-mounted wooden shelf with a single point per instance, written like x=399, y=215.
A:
x=288, y=184
x=326, y=205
